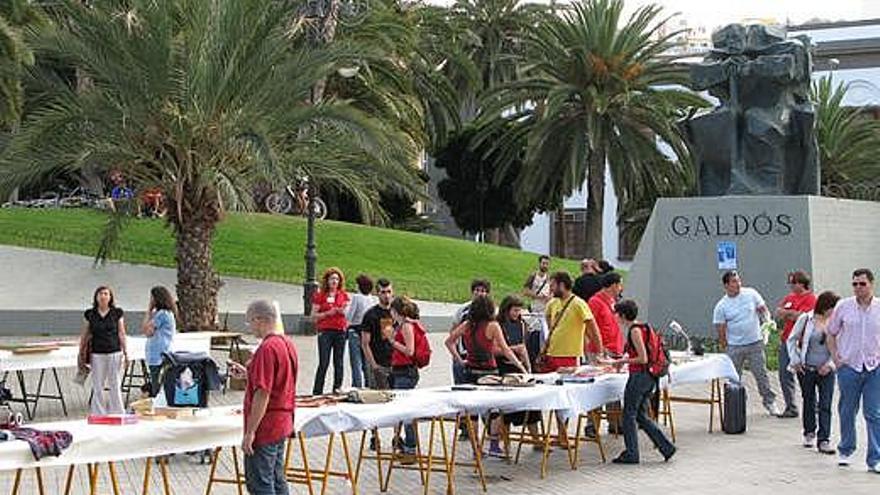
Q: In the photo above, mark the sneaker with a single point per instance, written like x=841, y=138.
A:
x=789, y=413
x=623, y=459
x=668, y=454
x=463, y=436
x=875, y=469
x=373, y=444
x=773, y=410
x=495, y=450
x=826, y=448
x=810, y=440
x=844, y=460
x=590, y=432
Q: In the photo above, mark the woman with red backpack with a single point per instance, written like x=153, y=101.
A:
x=409, y=352
x=643, y=380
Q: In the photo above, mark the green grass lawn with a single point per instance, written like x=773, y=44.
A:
x=267, y=247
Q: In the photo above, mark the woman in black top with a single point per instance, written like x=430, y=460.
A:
x=515, y=331
x=103, y=351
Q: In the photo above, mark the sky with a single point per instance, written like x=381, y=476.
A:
x=714, y=13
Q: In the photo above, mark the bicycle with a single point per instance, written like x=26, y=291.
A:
x=295, y=199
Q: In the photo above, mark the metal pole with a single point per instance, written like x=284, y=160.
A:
x=311, y=283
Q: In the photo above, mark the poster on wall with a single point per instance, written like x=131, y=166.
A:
x=727, y=255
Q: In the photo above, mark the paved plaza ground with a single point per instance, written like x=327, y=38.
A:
x=767, y=459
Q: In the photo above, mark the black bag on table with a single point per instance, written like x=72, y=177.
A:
x=734, y=420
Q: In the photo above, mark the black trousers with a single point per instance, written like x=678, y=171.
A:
x=330, y=341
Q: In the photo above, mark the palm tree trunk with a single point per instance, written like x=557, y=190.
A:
x=561, y=232
x=595, y=203
x=197, y=283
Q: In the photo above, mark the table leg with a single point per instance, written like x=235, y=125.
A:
x=17, y=482
x=93, y=479
x=450, y=462
x=69, y=483
x=327, y=461
x=307, y=471
x=163, y=468
x=351, y=477
x=236, y=469
x=24, y=394
x=60, y=391
x=39, y=474
x=39, y=392
x=478, y=455
x=147, y=466
x=113, y=480
x=426, y=475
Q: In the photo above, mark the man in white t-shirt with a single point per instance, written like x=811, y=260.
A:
x=737, y=318
x=537, y=288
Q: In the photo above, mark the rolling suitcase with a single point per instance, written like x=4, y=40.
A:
x=734, y=420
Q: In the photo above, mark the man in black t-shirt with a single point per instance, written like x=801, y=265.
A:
x=377, y=329
x=590, y=281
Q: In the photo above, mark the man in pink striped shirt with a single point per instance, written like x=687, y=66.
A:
x=854, y=342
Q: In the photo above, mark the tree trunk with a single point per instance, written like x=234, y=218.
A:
x=595, y=203
x=560, y=232
x=197, y=283
x=509, y=236
x=325, y=33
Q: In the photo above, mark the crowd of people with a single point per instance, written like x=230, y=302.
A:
x=825, y=341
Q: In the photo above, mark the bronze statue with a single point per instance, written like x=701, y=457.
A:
x=761, y=138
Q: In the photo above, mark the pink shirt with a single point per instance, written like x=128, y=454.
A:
x=857, y=331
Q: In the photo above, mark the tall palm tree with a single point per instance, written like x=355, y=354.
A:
x=17, y=17
x=595, y=93
x=201, y=100
x=849, y=142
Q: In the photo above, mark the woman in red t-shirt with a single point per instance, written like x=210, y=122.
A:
x=328, y=311
x=404, y=372
x=640, y=387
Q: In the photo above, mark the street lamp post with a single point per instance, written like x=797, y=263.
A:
x=310, y=285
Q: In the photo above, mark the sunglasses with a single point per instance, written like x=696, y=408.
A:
x=860, y=284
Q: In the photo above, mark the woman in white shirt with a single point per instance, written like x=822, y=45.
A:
x=360, y=304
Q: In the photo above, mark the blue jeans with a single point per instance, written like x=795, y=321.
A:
x=812, y=382
x=405, y=379
x=639, y=389
x=356, y=357
x=859, y=386
x=329, y=341
x=264, y=471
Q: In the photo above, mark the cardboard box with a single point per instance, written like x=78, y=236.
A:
x=241, y=356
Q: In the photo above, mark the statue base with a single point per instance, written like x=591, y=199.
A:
x=690, y=242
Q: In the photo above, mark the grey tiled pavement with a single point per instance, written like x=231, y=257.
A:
x=767, y=459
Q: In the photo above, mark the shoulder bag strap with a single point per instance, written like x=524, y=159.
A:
x=556, y=324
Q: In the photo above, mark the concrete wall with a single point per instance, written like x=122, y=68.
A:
x=675, y=274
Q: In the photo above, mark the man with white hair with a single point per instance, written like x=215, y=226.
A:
x=269, y=402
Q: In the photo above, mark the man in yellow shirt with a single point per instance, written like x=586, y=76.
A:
x=571, y=325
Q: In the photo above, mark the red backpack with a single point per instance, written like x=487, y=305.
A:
x=658, y=355
x=422, y=354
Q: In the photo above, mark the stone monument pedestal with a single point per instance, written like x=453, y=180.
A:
x=677, y=269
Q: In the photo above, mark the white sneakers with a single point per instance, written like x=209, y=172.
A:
x=773, y=410
x=809, y=440
x=875, y=469
x=844, y=460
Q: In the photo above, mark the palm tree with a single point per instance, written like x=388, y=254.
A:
x=849, y=142
x=595, y=93
x=17, y=18
x=201, y=100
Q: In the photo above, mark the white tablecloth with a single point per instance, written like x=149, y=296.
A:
x=65, y=357
x=93, y=443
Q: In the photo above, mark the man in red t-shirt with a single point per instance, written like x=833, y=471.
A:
x=799, y=301
x=269, y=402
x=602, y=305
